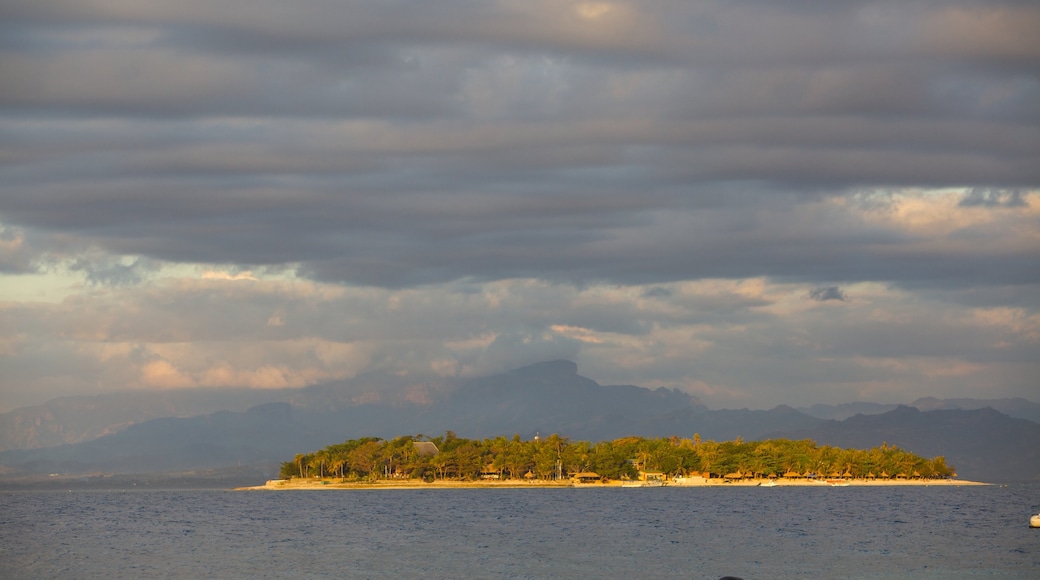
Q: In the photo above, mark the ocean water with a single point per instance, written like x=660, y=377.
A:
x=775, y=533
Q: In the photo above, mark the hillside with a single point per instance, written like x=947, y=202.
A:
x=544, y=398
x=982, y=444
x=1017, y=408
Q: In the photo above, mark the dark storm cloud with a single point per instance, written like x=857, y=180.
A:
x=408, y=143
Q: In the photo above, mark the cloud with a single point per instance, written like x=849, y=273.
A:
x=107, y=269
x=14, y=254
x=649, y=187
x=980, y=197
x=828, y=293
x=752, y=342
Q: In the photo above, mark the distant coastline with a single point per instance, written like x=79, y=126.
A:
x=325, y=484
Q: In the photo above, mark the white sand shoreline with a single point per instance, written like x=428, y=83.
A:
x=325, y=484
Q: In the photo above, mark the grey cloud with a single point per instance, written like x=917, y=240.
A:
x=113, y=271
x=407, y=143
x=513, y=349
x=828, y=293
x=657, y=292
x=987, y=197
x=469, y=186
x=15, y=255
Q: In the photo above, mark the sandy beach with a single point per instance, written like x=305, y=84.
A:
x=325, y=484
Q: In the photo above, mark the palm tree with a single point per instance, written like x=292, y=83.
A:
x=317, y=461
x=301, y=461
x=709, y=454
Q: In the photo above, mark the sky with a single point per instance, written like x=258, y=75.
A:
x=758, y=202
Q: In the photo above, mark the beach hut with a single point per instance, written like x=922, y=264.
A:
x=587, y=477
x=489, y=472
x=651, y=476
x=426, y=448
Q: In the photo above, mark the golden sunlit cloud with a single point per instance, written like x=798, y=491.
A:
x=593, y=10
x=220, y=275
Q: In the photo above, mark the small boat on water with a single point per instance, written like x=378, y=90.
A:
x=1034, y=521
x=637, y=483
x=769, y=483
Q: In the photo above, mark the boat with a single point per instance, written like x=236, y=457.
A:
x=648, y=483
x=1034, y=521
x=769, y=483
x=689, y=480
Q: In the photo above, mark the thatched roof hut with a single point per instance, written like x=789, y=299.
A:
x=426, y=448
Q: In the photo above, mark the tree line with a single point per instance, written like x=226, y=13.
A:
x=556, y=457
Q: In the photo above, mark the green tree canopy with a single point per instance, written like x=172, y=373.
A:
x=558, y=457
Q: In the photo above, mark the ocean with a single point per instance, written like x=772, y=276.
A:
x=707, y=532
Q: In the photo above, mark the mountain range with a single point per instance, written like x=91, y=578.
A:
x=183, y=431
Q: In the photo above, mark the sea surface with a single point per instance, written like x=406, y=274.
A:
x=774, y=533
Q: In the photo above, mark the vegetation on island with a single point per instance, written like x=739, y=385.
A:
x=555, y=457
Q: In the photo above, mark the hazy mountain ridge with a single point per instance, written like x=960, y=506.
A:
x=79, y=419
x=981, y=443
x=1018, y=408
x=548, y=397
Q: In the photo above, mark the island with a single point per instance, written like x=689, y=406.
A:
x=450, y=461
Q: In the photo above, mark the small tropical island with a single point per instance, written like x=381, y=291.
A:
x=417, y=461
